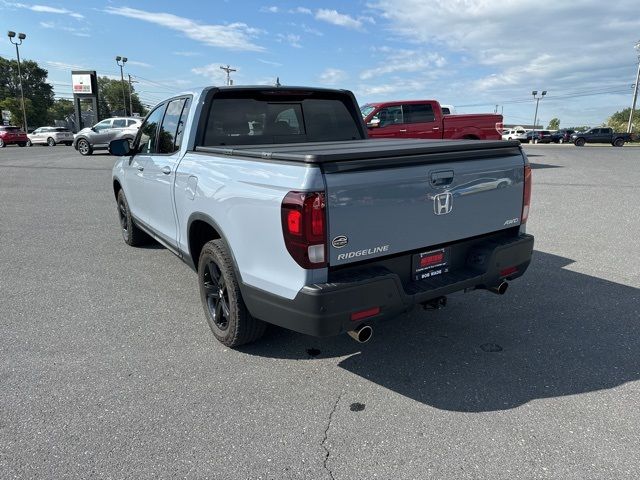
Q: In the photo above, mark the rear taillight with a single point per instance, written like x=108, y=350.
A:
x=499, y=127
x=527, y=194
x=304, y=228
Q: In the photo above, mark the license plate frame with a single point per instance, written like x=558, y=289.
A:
x=440, y=266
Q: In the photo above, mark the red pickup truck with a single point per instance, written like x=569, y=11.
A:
x=424, y=119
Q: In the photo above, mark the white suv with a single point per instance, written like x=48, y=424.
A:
x=517, y=133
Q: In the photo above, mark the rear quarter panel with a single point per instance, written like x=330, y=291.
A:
x=243, y=197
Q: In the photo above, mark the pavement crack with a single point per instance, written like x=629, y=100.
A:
x=326, y=435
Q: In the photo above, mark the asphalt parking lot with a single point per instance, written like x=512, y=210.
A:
x=108, y=368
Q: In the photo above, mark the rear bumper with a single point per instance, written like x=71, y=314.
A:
x=325, y=309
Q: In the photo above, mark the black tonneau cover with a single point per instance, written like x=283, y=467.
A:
x=370, y=152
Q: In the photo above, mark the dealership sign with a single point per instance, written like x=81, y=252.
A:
x=81, y=83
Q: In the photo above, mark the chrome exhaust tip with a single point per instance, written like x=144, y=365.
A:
x=500, y=289
x=362, y=334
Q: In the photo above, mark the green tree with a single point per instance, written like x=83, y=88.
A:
x=554, y=124
x=37, y=90
x=619, y=121
x=60, y=110
x=110, y=98
x=14, y=106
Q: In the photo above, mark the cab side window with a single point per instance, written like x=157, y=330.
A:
x=103, y=125
x=119, y=123
x=390, y=115
x=149, y=131
x=169, y=128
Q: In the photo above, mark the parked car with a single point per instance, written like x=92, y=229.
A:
x=50, y=136
x=12, y=135
x=98, y=137
x=424, y=119
x=515, y=134
x=538, y=136
x=307, y=224
x=562, y=136
x=600, y=135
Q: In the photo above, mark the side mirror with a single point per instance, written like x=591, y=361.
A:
x=119, y=147
x=373, y=123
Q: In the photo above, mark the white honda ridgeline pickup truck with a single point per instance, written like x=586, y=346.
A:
x=291, y=216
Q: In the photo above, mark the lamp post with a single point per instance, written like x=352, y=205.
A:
x=124, y=96
x=635, y=91
x=21, y=37
x=535, y=116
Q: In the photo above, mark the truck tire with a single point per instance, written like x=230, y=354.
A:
x=2, y=144
x=580, y=142
x=131, y=234
x=224, y=308
x=618, y=142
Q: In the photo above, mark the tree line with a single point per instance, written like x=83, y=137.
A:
x=41, y=106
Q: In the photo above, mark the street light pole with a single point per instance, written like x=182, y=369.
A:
x=124, y=96
x=535, y=116
x=635, y=92
x=21, y=37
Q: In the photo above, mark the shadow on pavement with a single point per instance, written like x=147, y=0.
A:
x=555, y=333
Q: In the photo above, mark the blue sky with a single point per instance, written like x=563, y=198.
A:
x=472, y=54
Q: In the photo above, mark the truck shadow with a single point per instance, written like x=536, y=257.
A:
x=555, y=333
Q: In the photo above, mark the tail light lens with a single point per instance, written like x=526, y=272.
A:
x=527, y=194
x=499, y=127
x=304, y=228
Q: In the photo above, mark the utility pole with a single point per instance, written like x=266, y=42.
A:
x=130, y=101
x=124, y=97
x=21, y=37
x=535, y=116
x=228, y=69
x=635, y=92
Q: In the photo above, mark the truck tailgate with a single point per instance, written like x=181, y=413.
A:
x=392, y=207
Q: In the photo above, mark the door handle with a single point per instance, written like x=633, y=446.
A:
x=140, y=167
x=166, y=170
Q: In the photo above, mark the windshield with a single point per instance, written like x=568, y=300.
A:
x=366, y=110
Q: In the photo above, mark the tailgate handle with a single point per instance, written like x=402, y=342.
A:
x=439, y=179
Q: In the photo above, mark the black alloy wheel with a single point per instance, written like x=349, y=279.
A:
x=217, y=295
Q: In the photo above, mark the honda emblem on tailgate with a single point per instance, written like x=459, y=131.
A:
x=442, y=203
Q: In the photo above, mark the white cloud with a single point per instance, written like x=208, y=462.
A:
x=333, y=76
x=234, y=36
x=336, y=18
x=78, y=32
x=64, y=66
x=289, y=38
x=402, y=60
x=303, y=10
x=139, y=64
x=272, y=9
x=213, y=73
x=546, y=43
x=269, y=62
x=187, y=54
x=46, y=9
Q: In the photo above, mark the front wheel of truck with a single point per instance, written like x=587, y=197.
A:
x=224, y=308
